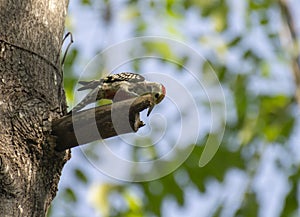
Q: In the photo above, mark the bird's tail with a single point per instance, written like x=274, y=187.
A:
x=88, y=85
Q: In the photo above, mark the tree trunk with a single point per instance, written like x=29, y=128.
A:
x=31, y=96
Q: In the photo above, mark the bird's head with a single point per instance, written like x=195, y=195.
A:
x=158, y=93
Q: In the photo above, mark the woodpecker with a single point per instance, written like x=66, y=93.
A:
x=118, y=87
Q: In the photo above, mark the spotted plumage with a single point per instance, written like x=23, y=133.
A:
x=118, y=87
x=124, y=76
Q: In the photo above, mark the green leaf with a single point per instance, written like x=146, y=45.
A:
x=86, y=2
x=134, y=205
x=291, y=208
x=69, y=195
x=291, y=203
x=70, y=58
x=81, y=176
x=265, y=69
x=241, y=97
x=160, y=48
x=158, y=190
x=235, y=41
x=69, y=85
x=249, y=206
x=276, y=120
x=99, y=197
x=218, y=211
x=222, y=161
x=220, y=21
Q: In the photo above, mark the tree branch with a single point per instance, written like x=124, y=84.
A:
x=290, y=22
x=99, y=123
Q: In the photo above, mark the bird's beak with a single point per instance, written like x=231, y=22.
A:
x=160, y=98
x=150, y=109
x=152, y=105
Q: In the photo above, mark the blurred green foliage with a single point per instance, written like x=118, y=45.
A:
x=262, y=119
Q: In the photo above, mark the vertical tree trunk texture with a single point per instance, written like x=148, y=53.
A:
x=31, y=96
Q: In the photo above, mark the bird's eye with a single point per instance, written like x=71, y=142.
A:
x=156, y=95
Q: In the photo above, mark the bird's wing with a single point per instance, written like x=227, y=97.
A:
x=124, y=76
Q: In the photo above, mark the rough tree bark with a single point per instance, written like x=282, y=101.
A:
x=31, y=96
x=35, y=132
